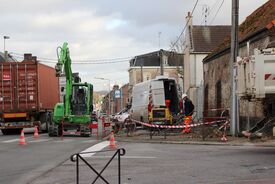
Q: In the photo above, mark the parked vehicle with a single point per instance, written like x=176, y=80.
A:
x=155, y=101
x=119, y=120
x=28, y=92
x=121, y=116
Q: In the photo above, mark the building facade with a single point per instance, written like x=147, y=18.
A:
x=257, y=31
x=148, y=66
x=198, y=43
x=119, y=99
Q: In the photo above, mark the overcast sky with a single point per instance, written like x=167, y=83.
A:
x=104, y=29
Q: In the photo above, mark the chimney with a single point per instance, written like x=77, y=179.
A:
x=27, y=57
x=34, y=58
x=189, y=19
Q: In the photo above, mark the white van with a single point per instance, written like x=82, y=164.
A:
x=155, y=101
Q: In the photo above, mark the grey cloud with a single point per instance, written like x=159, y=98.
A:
x=102, y=29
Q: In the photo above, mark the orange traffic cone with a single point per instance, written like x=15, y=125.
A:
x=22, y=140
x=112, y=144
x=35, y=132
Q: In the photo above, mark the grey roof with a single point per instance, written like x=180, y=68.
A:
x=153, y=59
x=9, y=58
x=206, y=38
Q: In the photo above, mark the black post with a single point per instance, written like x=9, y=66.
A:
x=119, y=166
x=77, y=169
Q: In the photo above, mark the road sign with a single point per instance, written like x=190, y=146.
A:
x=117, y=93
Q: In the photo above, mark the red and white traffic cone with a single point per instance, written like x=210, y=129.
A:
x=22, y=140
x=35, y=132
x=112, y=144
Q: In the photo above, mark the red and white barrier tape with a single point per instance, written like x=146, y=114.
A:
x=177, y=126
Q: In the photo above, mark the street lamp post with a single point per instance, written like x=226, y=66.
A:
x=5, y=54
x=109, y=96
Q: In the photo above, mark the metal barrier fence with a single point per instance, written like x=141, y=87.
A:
x=77, y=157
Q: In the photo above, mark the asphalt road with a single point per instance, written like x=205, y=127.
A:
x=23, y=163
x=175, y=164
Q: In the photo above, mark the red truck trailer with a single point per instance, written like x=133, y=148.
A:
x=28, y=93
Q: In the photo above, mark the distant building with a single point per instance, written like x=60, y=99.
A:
x=119, y=98
x=148, y=66
x=259, y=31
x=199, y=42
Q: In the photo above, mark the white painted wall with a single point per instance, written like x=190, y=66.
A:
x=193, y=70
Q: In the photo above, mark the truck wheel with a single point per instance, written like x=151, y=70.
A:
x=6, y=131
x=50, y=131
x=85, y=131
x=47, y=122
x=54, y=130
x=11, y=131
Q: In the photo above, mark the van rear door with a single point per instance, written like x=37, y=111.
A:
x=158, y=93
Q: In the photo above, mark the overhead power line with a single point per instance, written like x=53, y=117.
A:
x=178, y=38
x=210, y=10
x=44, y=60
x=86, y=60
x=217, y=12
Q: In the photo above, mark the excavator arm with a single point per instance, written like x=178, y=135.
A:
x=63, y=67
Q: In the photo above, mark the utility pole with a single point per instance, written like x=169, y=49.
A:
x=161, y=61
x=121, y=98
x=159, y=34
x=234, y=54
x=5, y=52
x=141, y=73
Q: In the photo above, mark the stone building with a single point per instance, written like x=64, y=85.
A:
x=148, y=66
x=259, y=31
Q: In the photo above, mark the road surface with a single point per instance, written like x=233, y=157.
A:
x=175, y=163
x=23, y=163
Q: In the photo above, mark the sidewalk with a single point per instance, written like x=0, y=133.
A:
x=192, y=138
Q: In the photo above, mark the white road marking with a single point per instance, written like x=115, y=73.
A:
x=40, y=140
x=11, y=140
x=96, y=147
x=65, y=140
x=130, y=157
x=88, y=141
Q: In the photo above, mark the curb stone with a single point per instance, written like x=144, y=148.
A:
x=215, y=143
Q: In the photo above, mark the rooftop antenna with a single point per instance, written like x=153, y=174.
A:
x=205, y=12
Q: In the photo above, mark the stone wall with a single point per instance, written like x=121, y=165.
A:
x=250, y=111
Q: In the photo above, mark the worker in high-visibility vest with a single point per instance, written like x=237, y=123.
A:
x=188, y=109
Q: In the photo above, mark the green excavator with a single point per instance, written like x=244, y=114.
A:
x=74, y=115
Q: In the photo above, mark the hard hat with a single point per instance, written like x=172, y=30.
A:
x=183, y=96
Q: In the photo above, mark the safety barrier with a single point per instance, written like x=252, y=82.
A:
x=101, y=128
x=77, y=158
x=178, y=126
x=223, y=127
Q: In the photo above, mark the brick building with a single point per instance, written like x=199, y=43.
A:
x=259, y=31
x=119, y=98
x=148, y=66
